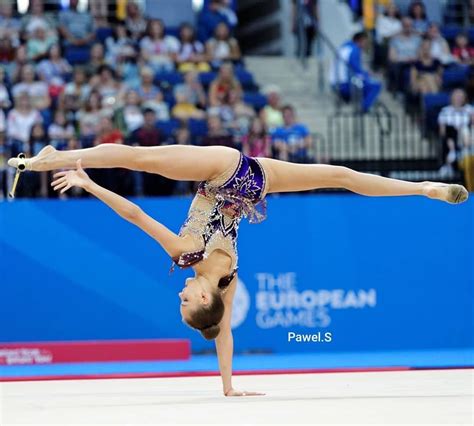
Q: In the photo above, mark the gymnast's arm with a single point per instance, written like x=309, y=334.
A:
x=172, y=243
x=225, y=345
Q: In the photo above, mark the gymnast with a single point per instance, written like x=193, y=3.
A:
x=232, y=186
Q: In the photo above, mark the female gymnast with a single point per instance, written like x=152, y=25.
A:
x=232, y=186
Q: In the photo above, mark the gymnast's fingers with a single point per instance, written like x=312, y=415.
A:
x=58, y=181
x=59, y=174
x=65, y=189
x=60, y=185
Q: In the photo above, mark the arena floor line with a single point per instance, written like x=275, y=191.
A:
x=398, y=397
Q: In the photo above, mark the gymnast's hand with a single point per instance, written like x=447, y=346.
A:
x=233, y=392
x=65, y=180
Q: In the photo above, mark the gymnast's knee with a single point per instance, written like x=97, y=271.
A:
x=343, y=176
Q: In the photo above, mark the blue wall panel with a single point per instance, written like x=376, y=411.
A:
x=375, y=273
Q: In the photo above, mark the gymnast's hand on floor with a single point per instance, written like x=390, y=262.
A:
x=66, y=180
x=233, y=392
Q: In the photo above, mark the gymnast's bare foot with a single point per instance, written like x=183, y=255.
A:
x=453, y=194
x=37, y=163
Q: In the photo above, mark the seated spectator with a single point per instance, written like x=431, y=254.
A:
x=257, y=143
x=349, y=65
x=37, y=16
x=224, y=86
x=439, y=46
x=135, y=22
x=426, y=73
x=156, y=48
x=4, y=93
x=77, y=28
x=292, y=141
x=60, y=131
x=462, y=51
x=110, y=88
x=147, y=134
x=403, y=51
x=88, y=118
x=211, y=16
x=37, y=90
x=217, y=134
x=9, y=25
x=55, y=69
x=454, y=126
x=97, y=59
x=151, y=96
x=39, y=42
x=193, y=89
x=237, y=115
x=388, y=25
x=38, y=139
x=271, y=114
x=78, y=89
x=417, y=12
x=222, y=47
x=7, y=51
x=119, y=45
x=190, y=55
x=107, y=133
x=185, y=109
x=20, y=120
x=129, y=117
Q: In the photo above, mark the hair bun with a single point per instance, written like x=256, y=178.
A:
x=210, y=333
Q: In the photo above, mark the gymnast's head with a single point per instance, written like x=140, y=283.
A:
x=202, y=307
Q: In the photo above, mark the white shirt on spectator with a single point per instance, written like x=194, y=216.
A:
x=459, y=118
x=387, y=27
x=2, y=121
x=165, y=46
x=4, y=98
x=35, y=89
x=19, y=124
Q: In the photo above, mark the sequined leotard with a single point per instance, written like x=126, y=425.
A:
x=219, y=206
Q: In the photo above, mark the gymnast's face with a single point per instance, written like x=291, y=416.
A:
x=193, y=295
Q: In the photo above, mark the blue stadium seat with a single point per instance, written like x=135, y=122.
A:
x=77, y=55
x=197, y=127
x=450, y=32
x=101, y=34
x=471, y=35
x=246, y=78
x=432, y=105
x=454, y=77
x=169, y=98
x=167, y=127
x=206, y=78
x=171, y=78
x=257, y=100
x=172, y=31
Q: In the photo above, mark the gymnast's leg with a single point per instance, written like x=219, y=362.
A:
x=176, y=162
x=291, y=177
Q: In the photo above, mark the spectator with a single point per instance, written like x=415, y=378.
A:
x=129, y=117
x=7, y=51
x=439, y=46
x=217, y=134
x=20, y=120
x=4, y=94
x=37, y=90
x=257, y=143
x=271, y=114
x=156, y=48
x=60, y=131
x=135, y=23
x=417, y=12
x=78, y=89
x=211, y=16
x=97, y=59
x=185, y=109
x=388, y=25
x=36, y=16
x=190, y=55
x=147, y=134
x=224, y=86
x=2, y=122
x=14, y=68
x=108, y=133
x=110, y=88
x=292, y=141
x=38, y=139
x=454, y=122
x=349, y=65
x=238, y=115
x=35, y=184
x=151, y=96
x=89, y=118
x=55, y=69
x=403, y=51
x=9, y=25
x=76, y=27
x=426, y=72
x=309, y=23
x=462, y=51
x=39, y=42
x=119, y=46
x=222, y=47
x=193, y=89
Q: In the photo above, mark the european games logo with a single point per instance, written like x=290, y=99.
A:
x=240, y=305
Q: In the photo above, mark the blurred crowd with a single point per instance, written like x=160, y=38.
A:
x=75, y=80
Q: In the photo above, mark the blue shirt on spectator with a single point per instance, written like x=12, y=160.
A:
x=348, y=64
x=208, y=21
x=292, y=135
x=78, y=24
